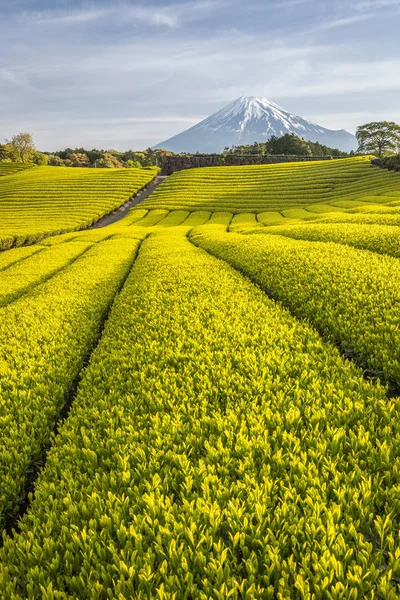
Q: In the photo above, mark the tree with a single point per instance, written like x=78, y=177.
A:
x=56, y=161
x=40, y=159
x=78, y=159
x=21, y=147
x=130, y=164
x=288, y=144
x=4, y=152
x=378, y=137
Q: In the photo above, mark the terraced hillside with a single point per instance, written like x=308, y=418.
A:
x=343, y=183
x=47, y=200
x=9, y=168
x=235, y=429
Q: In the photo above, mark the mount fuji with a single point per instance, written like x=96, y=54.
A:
x=251, y=119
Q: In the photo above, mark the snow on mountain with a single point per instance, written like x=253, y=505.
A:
x=251, y=119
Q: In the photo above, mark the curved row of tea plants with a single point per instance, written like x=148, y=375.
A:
x=384, y=239
x=340, y=184
x=217, y=448
x=10, y=168
x=350, y=295
x=48, y=200
x=44, y=339
x=7, y=259
x=22, y=276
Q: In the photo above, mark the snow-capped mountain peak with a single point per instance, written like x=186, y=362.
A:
x=252, y=119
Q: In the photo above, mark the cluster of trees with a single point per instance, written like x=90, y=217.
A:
x=289, y=144
x=379, y=138
x=79, y=157
x=21, y=148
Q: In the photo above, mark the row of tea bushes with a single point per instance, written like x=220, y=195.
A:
x=350, y=295
x=47, y=201
x=216, y=448
x=384, y=239
x=10, y=168
x=22, y=276
x=44, y=339
x=319, y=186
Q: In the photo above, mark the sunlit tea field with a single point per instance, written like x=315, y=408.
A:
x=40, y=201
x=201, y=400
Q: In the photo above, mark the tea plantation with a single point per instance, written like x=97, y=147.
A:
x=40, y=201
x=201, y=400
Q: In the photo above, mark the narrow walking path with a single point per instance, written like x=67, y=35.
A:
x=120, y=212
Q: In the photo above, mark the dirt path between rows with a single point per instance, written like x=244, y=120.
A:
x=120, y=212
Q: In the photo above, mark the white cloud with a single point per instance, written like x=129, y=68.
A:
x=171, y=16
x=375, y=4
x=131, y=86
x=345, y=21
x=9, y=76
x=56, y=17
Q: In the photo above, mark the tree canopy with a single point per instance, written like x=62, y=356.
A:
x=378, y=137
x=21, y=147
x=289, y=144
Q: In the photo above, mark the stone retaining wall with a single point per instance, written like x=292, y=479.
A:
x=171, y=164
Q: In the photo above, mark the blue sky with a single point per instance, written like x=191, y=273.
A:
x=129, y=74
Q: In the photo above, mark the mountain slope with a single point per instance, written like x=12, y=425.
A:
x=250, y=119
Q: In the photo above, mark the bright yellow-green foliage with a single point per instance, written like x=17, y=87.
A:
x=276, y=187
x=92, y=235
x=245, y=222
x=369, y=217
x=13, y=256
x=352, y=296
x=44, y=339
x=20, y=277
x=219, y=445
x=384, y=239
x=49, y=200
x=9, y=168
x=217, y=448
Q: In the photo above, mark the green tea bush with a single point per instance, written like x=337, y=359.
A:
x=350, y=295
x=45, y=201
x=44, y=339
x=217, y=448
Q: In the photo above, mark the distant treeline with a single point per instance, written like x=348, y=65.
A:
x=79, y=157
x=21, y=148
x=287, y=144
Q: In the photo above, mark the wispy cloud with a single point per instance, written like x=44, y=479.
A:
x=11, y=77
x=375, y=4
x=344, y=21
x=57, y=17
x=87, y=15
x=129, y=73
x=172, y=15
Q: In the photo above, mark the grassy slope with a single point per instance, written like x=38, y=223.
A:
x=10, y=168
x=48, y=200
x=340, y=184
x=319, y=512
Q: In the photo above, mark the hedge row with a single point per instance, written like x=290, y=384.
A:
x=350, y=295
x=21, y=277
x=217, y=448
x=44, y=339
x=384, y=239
x=388, y=162
x=48, y=200
x=273, y=187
